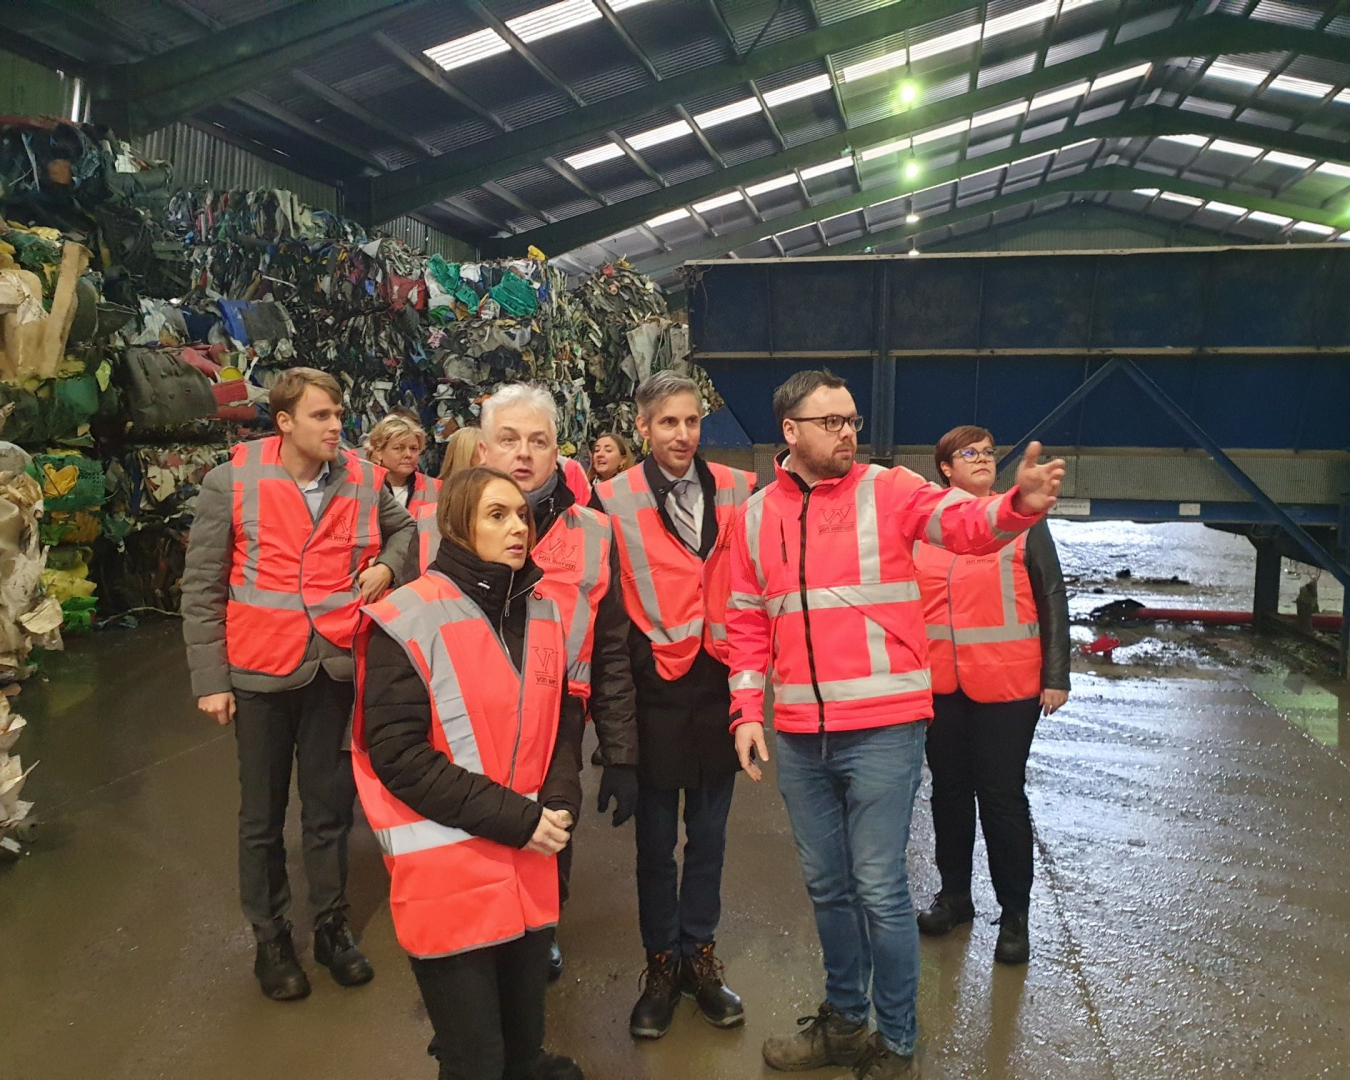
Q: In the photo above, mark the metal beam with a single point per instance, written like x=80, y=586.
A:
x=173, y=84
x=417, y=184
x=277, y=112
x=524, y=52
x=425, y=182
x=1146, y=122
x=1108, y=178
x=359, y=112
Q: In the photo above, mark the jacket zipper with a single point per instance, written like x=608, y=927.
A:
x=806, y=619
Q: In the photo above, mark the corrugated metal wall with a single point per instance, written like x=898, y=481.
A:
x=418, y=234
x=29, y=89
x=199, y=158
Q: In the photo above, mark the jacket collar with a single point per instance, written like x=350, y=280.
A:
x=795, y=487
x=489, y=584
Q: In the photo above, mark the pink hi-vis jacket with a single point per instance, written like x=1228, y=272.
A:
x=824, y=593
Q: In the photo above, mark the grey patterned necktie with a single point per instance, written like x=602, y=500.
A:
x=677, y=506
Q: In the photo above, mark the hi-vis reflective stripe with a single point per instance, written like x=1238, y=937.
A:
x=422, y=621
x=754, y=522
x=423, y=835
x=254, y=596
x=593, y=539
x=744, y=601
x=865, y=689
x=985, y=635
x=747, y=680
x=844, y=596
x=934, y=532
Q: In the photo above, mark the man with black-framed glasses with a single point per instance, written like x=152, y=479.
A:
x=824, y=595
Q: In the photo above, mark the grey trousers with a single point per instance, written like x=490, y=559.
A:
x=307, y=725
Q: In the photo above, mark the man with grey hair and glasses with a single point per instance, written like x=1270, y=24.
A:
x=672, y=516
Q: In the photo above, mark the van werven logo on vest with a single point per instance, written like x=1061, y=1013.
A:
x=557, y=551
x=837, y=519
x=547, y=659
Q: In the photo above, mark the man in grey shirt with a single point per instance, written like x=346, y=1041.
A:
x=290, y=538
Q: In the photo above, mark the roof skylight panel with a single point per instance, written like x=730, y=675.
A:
x=658, y=135
x=1331, y=168
x=1269, y=219
x=604, y=152
x=532, y=26
x=794, y=91
x=1313, y=227
x=718, y=201
x=1226, y=208
x=959, y=127
x=884, y=149
x=727, y=113
x=771, y=185
x=667, y=218
x=845, y=162
x=1149, y=192
x=1292, y=161
x=1224, y=146
x=1115, y=78
x=1185, y=200
x=1054, y=97
x=1196, y=141
x=1236, y=73
x=1303, y=87
x=1008, y=112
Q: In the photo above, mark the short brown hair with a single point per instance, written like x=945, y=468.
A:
x=394, y=426
x=291, y=385
x=653, y=391
x=800, y=387
x=457, y=507
x=953, y=441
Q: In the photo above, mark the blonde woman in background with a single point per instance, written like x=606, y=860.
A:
x=396, y=444
x=461, y=452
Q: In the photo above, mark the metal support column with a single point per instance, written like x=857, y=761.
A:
x=882, y=420
x=1266, y=602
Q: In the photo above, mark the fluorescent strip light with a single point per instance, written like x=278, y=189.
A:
x=805, y=88
x=1150, y=192
x=1313, y=227
x=958, y=39
x=845, y=162
x=885, y=149
x=1303, y=87
x=1186, y=140
x=1054, y=97
x=663, y=134
x=1027, y=16
x=1268, y=219
x=1185, y=200
x=1115, y=78
x=1332, y=169
x=771, y=185
x=717, y=202
x=1223, y=146
x=1293, y=161
x=604, y=152
x=875, y=66
x=1236, y=73
x=467, y=50
x=666, y=219
x=957, y=128
x=1226, y=208
x=1008, y=112
x=727, y=113
x=554, y=19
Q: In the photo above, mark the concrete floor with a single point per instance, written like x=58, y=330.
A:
x=1191, y=916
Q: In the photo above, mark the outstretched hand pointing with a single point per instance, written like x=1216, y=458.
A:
x=1037, y=485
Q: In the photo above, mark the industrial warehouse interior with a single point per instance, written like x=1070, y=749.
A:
x=923, y=418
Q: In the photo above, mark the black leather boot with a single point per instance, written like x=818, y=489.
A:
x=946, y=914
x=660, y=994
x=278, y=970
x=701, y=979
x=1014, y=941
x=335, y=949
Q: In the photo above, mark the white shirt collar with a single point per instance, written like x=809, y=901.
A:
x=691, y=474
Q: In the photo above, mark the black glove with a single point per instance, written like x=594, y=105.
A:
x=620, y=783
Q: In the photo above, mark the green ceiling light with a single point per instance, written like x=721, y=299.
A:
x=909, y=92
x=912, y=169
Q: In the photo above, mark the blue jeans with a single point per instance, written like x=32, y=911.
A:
x=850, y=797
x=678, y=914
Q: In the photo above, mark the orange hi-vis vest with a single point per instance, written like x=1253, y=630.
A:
x=291, y=575
x=425, y=491
x=574, y=476
x=984, y=633
x=574, y=556
x=676, y=599
x=827, y=601
x=451, y=891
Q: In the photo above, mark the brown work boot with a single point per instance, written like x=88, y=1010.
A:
x=701, y=979
x=825, y=1039
x=880, y=1062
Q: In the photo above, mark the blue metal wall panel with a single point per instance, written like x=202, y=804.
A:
x=1288, y=300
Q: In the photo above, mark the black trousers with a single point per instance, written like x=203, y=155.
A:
x=681, y=911
x=308, y=726
x=487, y=1008
x=977, y=753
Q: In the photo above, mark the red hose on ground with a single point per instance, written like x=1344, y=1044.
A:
x=1220, y=618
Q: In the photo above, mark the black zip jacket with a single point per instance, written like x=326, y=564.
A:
x=1052, y=606
x=398, y=720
